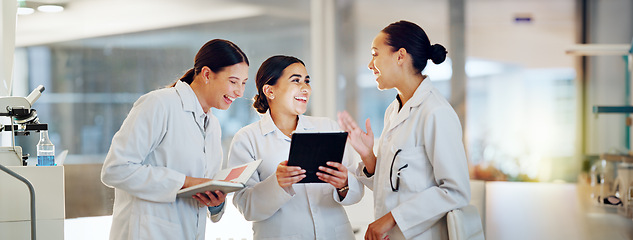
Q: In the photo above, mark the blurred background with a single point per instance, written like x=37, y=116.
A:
x=524, y=93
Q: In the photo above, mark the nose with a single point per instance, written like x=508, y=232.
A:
x=371, y=64
x=305, y=88
x=240, y=91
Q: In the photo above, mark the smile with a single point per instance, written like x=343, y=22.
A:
x=304, y=99
x=230, y=99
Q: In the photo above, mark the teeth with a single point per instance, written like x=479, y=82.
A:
x=302, y=98
x=230, y=98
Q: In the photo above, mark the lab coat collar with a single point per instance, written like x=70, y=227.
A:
x=268, y=126
x=190, y=102
x=418, y=97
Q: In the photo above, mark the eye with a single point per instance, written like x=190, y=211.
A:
x=307, y=81
x=295, y=80
x=233, y=81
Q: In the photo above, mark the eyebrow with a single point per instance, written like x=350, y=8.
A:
x=238, y=78
x=295, y=75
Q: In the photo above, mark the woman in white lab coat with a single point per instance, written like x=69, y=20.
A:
x=420, y=171
x=170, y=140
x=278, y=207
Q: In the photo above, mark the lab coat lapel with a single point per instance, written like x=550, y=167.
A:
x=397, y=117
x=190, y=104
x=266, y=124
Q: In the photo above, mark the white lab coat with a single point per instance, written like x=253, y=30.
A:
x=429, y=135
x=302, y=211
x=161, y=141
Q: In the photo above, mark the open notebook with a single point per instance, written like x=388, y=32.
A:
x=226, y=180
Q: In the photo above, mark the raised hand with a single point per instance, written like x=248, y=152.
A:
x=362, y=142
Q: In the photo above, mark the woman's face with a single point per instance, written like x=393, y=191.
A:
x=227, y=85
x=383, y=62
x=291, y=93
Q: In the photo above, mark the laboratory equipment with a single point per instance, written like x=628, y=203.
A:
x=602, y=177
x=45, y=150
x=24, y=120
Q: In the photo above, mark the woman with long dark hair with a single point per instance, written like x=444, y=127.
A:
x=170, y=140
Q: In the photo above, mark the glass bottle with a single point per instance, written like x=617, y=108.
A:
x=602, y=178
x=45, y=150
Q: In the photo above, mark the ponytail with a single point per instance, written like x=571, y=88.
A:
x=187, y=78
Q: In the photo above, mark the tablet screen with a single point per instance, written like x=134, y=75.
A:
x=309, y=150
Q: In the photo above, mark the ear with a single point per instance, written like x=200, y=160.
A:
x=268, y=91
x=207, y=74
x=401, y=55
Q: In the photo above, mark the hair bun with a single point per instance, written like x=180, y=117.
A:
x=260, y=103
x=438, y=53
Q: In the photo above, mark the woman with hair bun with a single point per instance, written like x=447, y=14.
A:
x=170, y=140
x=279, y=208
x=420, y=171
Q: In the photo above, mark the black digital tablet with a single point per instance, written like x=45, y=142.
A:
x=309, y=150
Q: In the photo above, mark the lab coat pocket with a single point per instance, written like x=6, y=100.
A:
x=411, y=170
x=155, y=228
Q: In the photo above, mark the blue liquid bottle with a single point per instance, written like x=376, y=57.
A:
x=45, y=150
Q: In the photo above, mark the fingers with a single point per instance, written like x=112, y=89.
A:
x=285, y=170
x=288, y=175
x=337, y=177
x=368, y=127
x=210, y=199
x=346, y=121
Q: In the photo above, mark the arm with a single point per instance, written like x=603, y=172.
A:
x=249, y=200
x=140, y=134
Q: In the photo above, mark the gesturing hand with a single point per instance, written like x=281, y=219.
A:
x=363, y=142
x=286, y=176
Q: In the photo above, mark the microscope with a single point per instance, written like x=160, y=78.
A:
x=23, y=121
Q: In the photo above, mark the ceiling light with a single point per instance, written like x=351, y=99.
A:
x=25, y=10
x=50, y=8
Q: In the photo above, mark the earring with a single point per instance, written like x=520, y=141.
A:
x=272, y=97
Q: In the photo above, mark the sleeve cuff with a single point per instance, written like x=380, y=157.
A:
x=367, y=173
x=217, y=209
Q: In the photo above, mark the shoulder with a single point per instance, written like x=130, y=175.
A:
x=436, y=107
x=158, y=97
x=247, y=132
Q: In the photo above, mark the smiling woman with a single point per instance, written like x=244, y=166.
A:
x=170, y=141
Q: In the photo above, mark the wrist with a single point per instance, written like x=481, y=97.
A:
x=343, y=189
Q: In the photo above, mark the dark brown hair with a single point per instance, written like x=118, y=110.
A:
x=216, y=55
x=410, y=36
x=268, y=73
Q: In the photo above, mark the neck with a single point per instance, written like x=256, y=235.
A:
x=287, y=123
x=408, y=85
x=198, y=87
